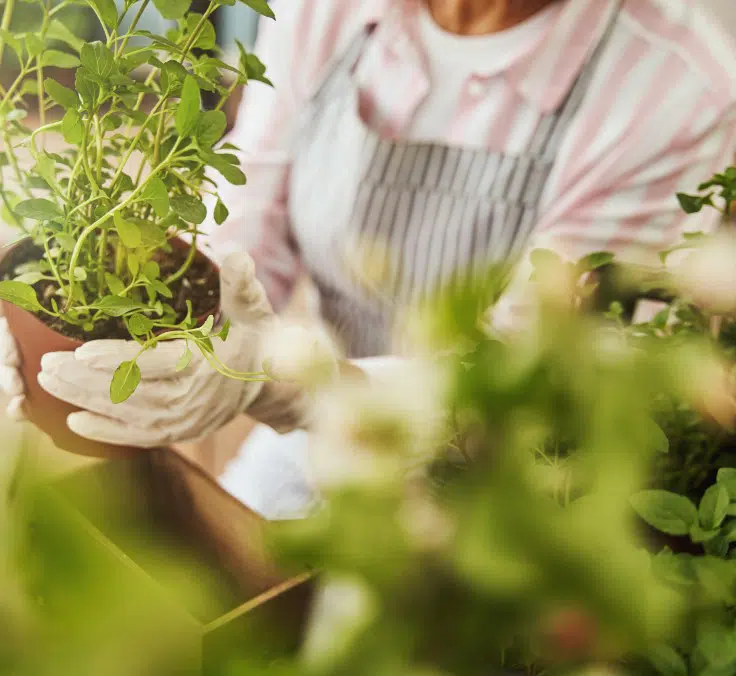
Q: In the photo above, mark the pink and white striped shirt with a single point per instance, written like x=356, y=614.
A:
x=658, y=118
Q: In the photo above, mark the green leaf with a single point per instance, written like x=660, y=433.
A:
x=690, y=204
x=595, y=260
x=136, y=58
x=221, y=212
x=224, y=331
x=260, y=6
x=139, y=324
x=729, y=532
x=184, y=360
x=125, y=380
x=116, y=306
x=189, y=208
x=60, y=94
x=717, y=577
x=115, y=284
x=713, y=506
x=152, y=236
x=717, y=643
x=71, y=127
x=667, y=661
x=727, y=478
x=46, y=168
x=255, y=69
x=58, y=31
x=20, y=294
x=726, y=474
x=211, y=127
x=13, y=42
x=230, y=172
x=29, y=277
x=98, y=59
x=698, y=534
x=207, y=38
x=34, y=44
x=173, y=75
x=162, y=289
x=65, y=241
x=86, y=87
x=172, y=9
x=39, y=210
x=674, y=569
x=130, y=234
x=187, y=113
x=206, y=328
x=157, y=195
x=151, y=271
x=57, y=59
x=134, y=264
x=668, y=512
x=107, y=11
x=80, y=274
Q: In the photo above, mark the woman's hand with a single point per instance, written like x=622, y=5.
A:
x=11, y=381
x=168, y=406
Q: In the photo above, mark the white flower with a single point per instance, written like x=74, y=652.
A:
x=299, y=354
x=344, y=607
x=373, y=431
x=708, y=274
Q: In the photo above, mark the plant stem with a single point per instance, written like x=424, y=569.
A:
x=85, y=159
x=133, y=145
x=52, y=265
x=103, y=219
x=230, y=90
x=187, y=263
x=5, y=24
x=133, y=25
x=197, y=30
x=39, y=76
x=159, y=134
x=98, y=149
x=18, y=223
x=101, y=262
x=41, y=106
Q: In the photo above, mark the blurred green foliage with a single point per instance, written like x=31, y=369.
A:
x=583, y=516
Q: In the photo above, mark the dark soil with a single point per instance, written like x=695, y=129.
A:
x=200, y=285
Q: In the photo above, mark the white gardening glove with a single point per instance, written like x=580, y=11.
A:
x=170, y=406
x=11, y=381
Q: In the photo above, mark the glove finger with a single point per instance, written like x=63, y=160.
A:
x=242, y=296
x=9, y=354
x=15, y=409
x=110, y=431
x=89, y=388
x=155, y=363
x=11, y=381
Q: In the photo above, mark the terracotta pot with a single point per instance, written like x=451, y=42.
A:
x=35, y=339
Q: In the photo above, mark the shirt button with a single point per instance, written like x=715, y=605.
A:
x=476, y=88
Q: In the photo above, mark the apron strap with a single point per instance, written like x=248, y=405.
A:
x=343, y=65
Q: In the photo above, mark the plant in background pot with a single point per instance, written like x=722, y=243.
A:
x=110, y=223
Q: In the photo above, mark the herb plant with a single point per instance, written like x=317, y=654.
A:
x=101, y=214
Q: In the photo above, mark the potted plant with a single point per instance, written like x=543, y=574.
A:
x=110, y=223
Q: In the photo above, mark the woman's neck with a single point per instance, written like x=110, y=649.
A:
x=480, y=17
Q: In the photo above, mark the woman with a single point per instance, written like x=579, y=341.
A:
x=450, y=133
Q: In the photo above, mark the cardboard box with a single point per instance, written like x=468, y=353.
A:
x=127, y=518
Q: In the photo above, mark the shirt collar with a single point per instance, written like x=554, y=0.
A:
x=546, y=74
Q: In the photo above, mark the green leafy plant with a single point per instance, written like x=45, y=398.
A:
x=100, y=215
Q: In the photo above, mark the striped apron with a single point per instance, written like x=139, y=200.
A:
x=433, y=211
